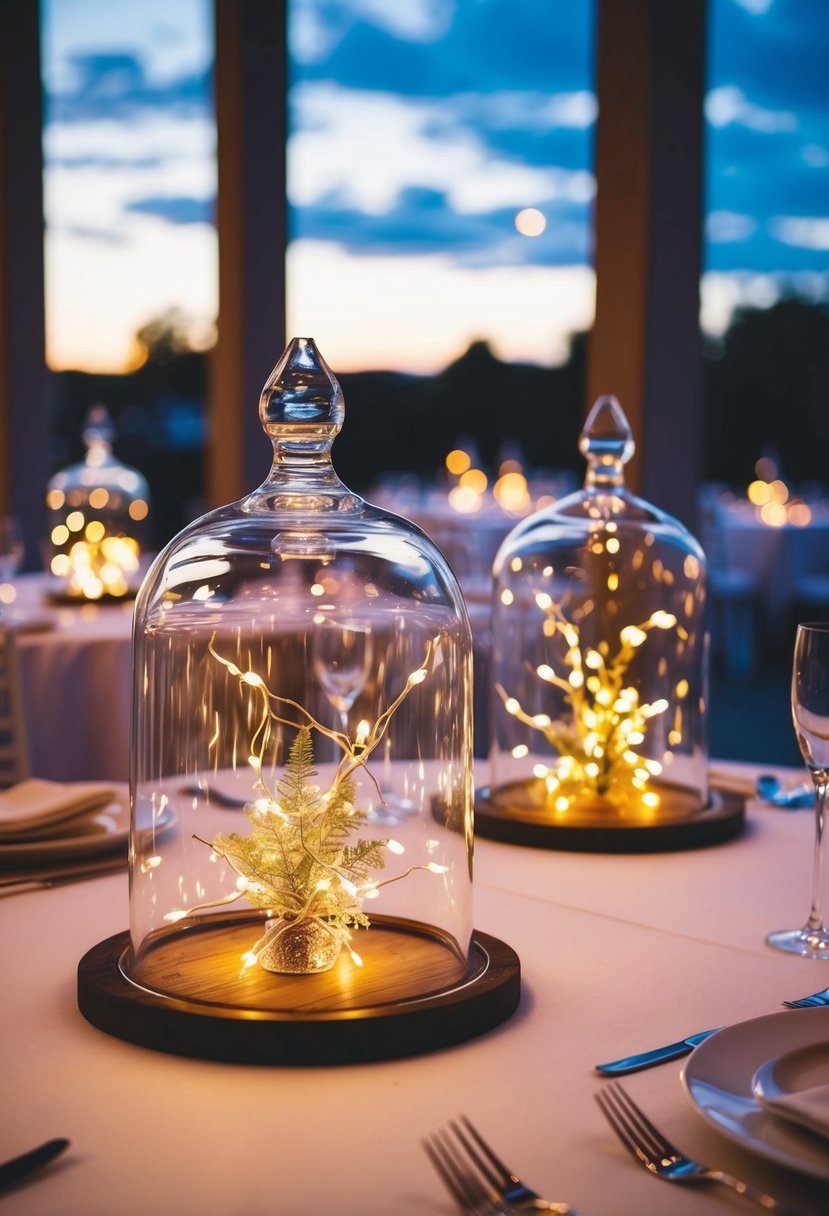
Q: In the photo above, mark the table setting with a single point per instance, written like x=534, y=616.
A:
x=318, y=957
x=53, y=831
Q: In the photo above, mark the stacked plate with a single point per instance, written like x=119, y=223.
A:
x=49, y=825
x=765, y=1085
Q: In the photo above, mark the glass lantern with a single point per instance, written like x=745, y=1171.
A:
x=599, y=660
x=96, y=516
x=302, y=749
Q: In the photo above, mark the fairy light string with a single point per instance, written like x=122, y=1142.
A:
x=297, y=863
x=599, y=742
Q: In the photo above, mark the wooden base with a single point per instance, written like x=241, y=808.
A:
x=507, y=813
x=62, y=598
x=186, y=995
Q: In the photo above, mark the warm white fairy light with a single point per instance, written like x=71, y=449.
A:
x=597, y=744
x=95, y=565
x=330, y=895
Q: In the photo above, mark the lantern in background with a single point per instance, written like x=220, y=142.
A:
x=599, y=661
x=96, y=516
x=301, y=860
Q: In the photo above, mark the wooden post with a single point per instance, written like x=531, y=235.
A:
x=24, y=389
x=251, y=82
x=645, y=347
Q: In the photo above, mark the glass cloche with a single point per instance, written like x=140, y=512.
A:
x=96, y=516
x=302, y=760
x=599, y=659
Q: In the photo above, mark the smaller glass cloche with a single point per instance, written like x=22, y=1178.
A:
x=96, y=517
x=301, y=786
x=599, y=659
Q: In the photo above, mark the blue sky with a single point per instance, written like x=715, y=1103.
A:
x=421, y=129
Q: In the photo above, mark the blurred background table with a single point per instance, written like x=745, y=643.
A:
x=76, y=683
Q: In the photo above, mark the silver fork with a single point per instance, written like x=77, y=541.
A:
x=658, y=1155
x=475, y=1177
x=810, y=1002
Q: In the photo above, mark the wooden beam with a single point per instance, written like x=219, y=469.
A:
x=251, y=82
x=645, y=347
x=24, y=389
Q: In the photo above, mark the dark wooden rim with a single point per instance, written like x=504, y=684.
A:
x=110, y=1000
x=722, y=819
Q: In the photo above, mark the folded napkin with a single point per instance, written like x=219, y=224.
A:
x=808, y=1107
x=36, y=804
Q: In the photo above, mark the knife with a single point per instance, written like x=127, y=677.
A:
x=645, y=1059
x=37, y=880
x=26, y=1163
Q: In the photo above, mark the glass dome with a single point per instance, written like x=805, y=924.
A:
x=599, y=659
x=302, y=756
x=96, y=517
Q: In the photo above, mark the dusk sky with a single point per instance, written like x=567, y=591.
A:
x=421, y=130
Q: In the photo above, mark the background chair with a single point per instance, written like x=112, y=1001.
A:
x=14, y=752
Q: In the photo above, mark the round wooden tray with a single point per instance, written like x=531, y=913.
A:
x=506, y=813
x=412, y=995
x=78, y=601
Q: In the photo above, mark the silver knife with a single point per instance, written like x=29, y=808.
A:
x=57, y=876
x=26, y=1163
x=645, y=1059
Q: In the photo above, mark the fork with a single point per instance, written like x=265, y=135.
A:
x=810, y=1002
x=477, y=1179
x=658, y=1155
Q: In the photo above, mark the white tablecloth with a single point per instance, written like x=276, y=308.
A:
x=76, y=676
x=618, y=953
x=776, y=558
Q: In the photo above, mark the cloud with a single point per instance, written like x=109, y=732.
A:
x=182, y=210
x=108, y=162
x=457, y=46
x=777, y=57
x=805, y=232
x=317, y=26
x=422, y=222
x=728, y=104
x=113, y=85
x=815, y=156
x=86, y=232
x=755, y=7
x=725, y=226
x=339, y=151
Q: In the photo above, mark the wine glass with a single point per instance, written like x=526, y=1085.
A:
x=342, y=655
x=810, y=711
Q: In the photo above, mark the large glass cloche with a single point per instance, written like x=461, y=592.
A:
x=599, y=660
x=301, y=864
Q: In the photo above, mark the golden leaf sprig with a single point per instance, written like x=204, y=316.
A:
x=297, y=864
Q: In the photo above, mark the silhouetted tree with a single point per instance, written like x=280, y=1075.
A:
x=768, y=386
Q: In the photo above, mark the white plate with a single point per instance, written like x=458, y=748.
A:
x=107, y=831
x=719, y=1080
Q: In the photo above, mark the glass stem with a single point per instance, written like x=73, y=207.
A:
x=821, y=780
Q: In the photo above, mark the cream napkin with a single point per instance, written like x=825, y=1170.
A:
x=808, y=1107
x=36, y=805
